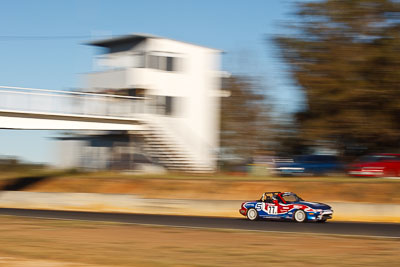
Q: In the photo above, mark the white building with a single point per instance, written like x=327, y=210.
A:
x=179, y=88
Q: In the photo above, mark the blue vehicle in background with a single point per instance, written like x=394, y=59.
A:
x=310, y=165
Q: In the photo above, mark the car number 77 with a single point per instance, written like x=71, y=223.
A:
x=272, y=209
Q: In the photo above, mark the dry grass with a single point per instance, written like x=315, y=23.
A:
x=215, y=187
x=35, y=242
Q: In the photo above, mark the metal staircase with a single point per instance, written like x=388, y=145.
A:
x=165, y=149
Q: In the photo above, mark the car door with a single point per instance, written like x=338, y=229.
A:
x=272, y=208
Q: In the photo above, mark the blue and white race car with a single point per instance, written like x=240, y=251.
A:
x=286, y=205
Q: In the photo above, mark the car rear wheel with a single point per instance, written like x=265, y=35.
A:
x=300, y=216
x=252, y=214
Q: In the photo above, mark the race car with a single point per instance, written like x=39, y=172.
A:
x=286, y=205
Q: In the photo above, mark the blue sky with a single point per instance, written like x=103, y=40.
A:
x=240, y=28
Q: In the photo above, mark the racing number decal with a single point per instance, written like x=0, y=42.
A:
x=272, y=209
x=259, y=206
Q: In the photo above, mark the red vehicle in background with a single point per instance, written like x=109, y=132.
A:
x=376, y=165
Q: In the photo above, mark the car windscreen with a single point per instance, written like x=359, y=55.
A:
x=289, y=198
x=315, y=158
x=377, y=158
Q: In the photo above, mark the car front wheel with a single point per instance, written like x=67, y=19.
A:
x=300, y=216
x=252, y=214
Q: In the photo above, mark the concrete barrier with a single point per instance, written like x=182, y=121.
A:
x=135, y=204
x=369, y=212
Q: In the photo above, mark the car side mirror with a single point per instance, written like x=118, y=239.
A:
x=275, y=202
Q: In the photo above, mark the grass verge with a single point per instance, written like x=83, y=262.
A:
x=75, y=243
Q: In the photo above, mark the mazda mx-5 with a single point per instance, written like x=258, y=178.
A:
x=286, y=205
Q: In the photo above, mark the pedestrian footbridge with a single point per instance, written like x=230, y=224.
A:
x=42, y=109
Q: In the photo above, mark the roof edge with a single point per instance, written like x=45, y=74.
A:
x=122, y=38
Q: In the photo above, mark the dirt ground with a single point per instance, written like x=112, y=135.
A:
x=37, y=242
x=342, y=189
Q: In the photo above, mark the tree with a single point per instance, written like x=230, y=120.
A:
x=244, y=117
x=345, y=56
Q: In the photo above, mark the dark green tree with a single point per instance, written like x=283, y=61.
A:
x=245, y=117
x=345, y=56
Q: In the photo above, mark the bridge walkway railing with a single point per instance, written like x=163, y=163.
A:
x=22, y=99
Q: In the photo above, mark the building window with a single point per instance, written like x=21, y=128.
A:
x=164, y=105
x=169, y=105
x=162, y=63
x=170, y=64
x=153, y=62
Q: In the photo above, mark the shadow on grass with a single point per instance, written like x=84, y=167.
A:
x=23, y=183
x=19, y=184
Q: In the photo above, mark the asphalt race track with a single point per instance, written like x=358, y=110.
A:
x=391, y=230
